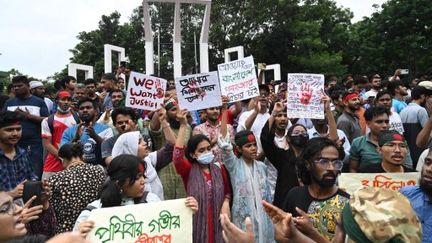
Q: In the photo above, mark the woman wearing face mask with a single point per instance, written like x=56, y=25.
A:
x=283, y=160
x=204, y=180
x=125, y=186
x=249, y=182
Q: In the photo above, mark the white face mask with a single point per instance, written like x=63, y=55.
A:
x=62, y=111
x=206, y=158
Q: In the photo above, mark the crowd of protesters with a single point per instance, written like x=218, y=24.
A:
x=247, y=171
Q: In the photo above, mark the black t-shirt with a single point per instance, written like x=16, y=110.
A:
x=323, y=212
x=377, y=168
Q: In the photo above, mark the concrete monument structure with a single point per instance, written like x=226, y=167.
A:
x=148, y=36
x=108, y=50
x=238, y=49
x=74, y=67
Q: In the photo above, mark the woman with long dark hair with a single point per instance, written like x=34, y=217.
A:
x=125, y=187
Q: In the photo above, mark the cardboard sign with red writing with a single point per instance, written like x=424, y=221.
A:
x=394, y=181
x=145, y=92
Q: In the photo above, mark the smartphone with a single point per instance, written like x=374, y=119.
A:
x=404, y=71
x=32, y=188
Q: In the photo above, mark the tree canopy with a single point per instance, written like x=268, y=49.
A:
x=302, y=36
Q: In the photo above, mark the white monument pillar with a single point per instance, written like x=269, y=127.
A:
x=108, y=49
x=74, y=67
x=204, y=62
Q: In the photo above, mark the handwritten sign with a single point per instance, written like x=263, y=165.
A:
x=145, y=92
x=304, y=95
x=198, y=91
x=238, y=79
x=165, y=221
x=394, y=181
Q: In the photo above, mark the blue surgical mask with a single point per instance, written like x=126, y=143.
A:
x=206, y=158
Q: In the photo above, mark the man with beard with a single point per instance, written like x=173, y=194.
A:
x=420, y=198
x=171, y=181
x=398, y=91
x=318, y=168
x=414, y=118
x=394, y=149
x=375, y=82
x=89, y=133
x=117, y=97
x=15, y=163
x=364, y=149
x=52, y=132
x=211, y=129
x=348, y=122
x=34, y=110
x=37, y=89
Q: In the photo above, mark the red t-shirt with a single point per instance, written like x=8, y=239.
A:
x=60, y=124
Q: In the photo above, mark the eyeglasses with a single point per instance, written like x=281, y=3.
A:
x=337, y=164
x=402, y=146
x=8, y=208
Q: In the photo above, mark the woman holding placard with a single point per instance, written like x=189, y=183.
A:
x=125, y=187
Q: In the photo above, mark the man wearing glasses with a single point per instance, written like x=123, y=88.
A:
x=394, y=149
x=319, y=200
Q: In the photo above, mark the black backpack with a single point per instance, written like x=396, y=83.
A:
x=51, y=121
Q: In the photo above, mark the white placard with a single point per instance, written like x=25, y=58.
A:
x=198, y=91
x=304, y=95
x=165, y=221
x=238, y=80
x=145, y=92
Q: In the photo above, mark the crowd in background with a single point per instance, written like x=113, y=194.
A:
x=247, y=171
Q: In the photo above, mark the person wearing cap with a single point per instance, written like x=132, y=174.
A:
x=34, y=110
x=349, y=122
x=414, y=118
x=15, y=163
x=37, y=89
x=171, y=181
x=393, y=149
x=320, y=199
x=420, y=197
x=52, y=132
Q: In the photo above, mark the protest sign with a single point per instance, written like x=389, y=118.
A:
x=394, y=181
x=238, y=79
x=165, y=221
x=304, y=95
x=198, y=91
x=145, y=92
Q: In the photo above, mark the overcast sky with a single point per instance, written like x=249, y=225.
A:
x=35, y=36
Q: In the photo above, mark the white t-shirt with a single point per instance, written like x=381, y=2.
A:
x=395, y=123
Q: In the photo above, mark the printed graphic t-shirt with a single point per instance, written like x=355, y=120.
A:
x=324, y=213
x=91, y=150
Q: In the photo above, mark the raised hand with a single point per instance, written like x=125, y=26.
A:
x=182, y=116
x=231, y=233
x=29, y=213
x=17, y=192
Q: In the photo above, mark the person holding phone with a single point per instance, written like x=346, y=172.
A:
x=15, y=163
